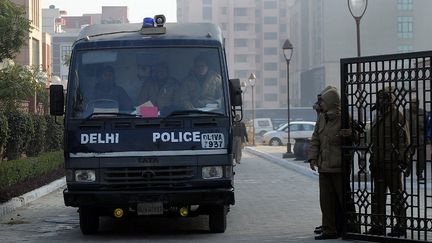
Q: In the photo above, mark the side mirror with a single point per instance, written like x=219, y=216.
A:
x=235, y=92
x=56, y=100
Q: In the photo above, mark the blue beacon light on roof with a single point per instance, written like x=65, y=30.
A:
x=148, y=22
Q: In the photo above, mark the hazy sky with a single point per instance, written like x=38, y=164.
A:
x=138, y=9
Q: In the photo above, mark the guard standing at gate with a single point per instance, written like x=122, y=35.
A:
x=389, y=159
x=240, y=137
x=325, y=153
x=416, y=118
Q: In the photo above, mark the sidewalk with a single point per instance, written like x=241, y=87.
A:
x=17, y=202
x=274, y=154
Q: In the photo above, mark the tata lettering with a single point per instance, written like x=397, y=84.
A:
x=99, y=138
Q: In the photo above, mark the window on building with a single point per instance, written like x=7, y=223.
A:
x=270, y=36
x=270, y=97
x=65, y=51
x=258, y=13
x=240, y=43
x=270, y=5
x=240, y=58
x=405, y=48
x=257, y=58
x=207, y=13
x=270, y=51
x=283, y=12
x=240, y=27
x=241, y=73
x=224, y=10
x=270, y=81
x=270, y=20
x=207, y=2
x=35, y=52
x=283, y=28
x=258, y=28
x=405, y=4
x=257, y=44
x=405, y=27
x=240, y=12
x=270, y=66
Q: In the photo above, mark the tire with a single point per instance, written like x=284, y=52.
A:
x=275, y=142
x=217, y=219
x=89, y=220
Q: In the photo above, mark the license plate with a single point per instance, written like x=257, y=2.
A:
x=150, y=208
x=212, y=140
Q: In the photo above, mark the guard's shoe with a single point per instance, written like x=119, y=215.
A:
x=318, y=230
x=397, y=232
x=325, y=236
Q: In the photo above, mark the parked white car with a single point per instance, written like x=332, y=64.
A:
x=262, y=125
x=299, y=129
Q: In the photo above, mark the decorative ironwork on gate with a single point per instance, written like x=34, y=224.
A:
x=386, y=100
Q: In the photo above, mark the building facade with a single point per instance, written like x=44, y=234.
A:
x=65, y=30
x=52, y=21
x=323, y=32
x=31, y=53
x=254, y=32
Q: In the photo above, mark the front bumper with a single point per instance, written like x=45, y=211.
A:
x=220, y=196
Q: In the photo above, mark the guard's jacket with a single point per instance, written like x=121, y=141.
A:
x=326, y=140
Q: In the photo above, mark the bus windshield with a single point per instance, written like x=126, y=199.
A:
x=151, y=82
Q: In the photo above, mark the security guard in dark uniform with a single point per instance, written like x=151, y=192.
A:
x=389, y=159
x=325, y=153
x=416, y=118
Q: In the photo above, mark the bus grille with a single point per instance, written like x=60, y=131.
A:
x=144, y=178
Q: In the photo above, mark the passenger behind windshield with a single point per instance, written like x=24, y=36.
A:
x=106, y=89
x=202, y=88
x=159, y=87
x=149, y=87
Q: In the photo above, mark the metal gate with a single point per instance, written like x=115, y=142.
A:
x=386, y=100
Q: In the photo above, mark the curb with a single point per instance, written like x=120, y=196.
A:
x=23, y=200
x=284, y=163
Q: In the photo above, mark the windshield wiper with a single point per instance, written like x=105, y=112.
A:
x=191, y=112
x=107, y=114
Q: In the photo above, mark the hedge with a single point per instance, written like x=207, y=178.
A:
x=21, y=126
x=37, y=142
x=4, y=133
x=32, y=135
x=15, y=171
x=54, y=134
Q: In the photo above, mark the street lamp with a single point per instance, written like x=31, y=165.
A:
x=357, y=9
x=252, y=79
x=288, y=52
x=243, y=87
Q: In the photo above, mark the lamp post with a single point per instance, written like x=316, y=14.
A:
x=357, y=9
x=288, y=51
x=252, y=79
x=243, y=86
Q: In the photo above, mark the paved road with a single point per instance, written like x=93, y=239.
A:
x=273, y=204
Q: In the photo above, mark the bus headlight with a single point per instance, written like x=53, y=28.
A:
x=212, y=172
x=85, y=176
